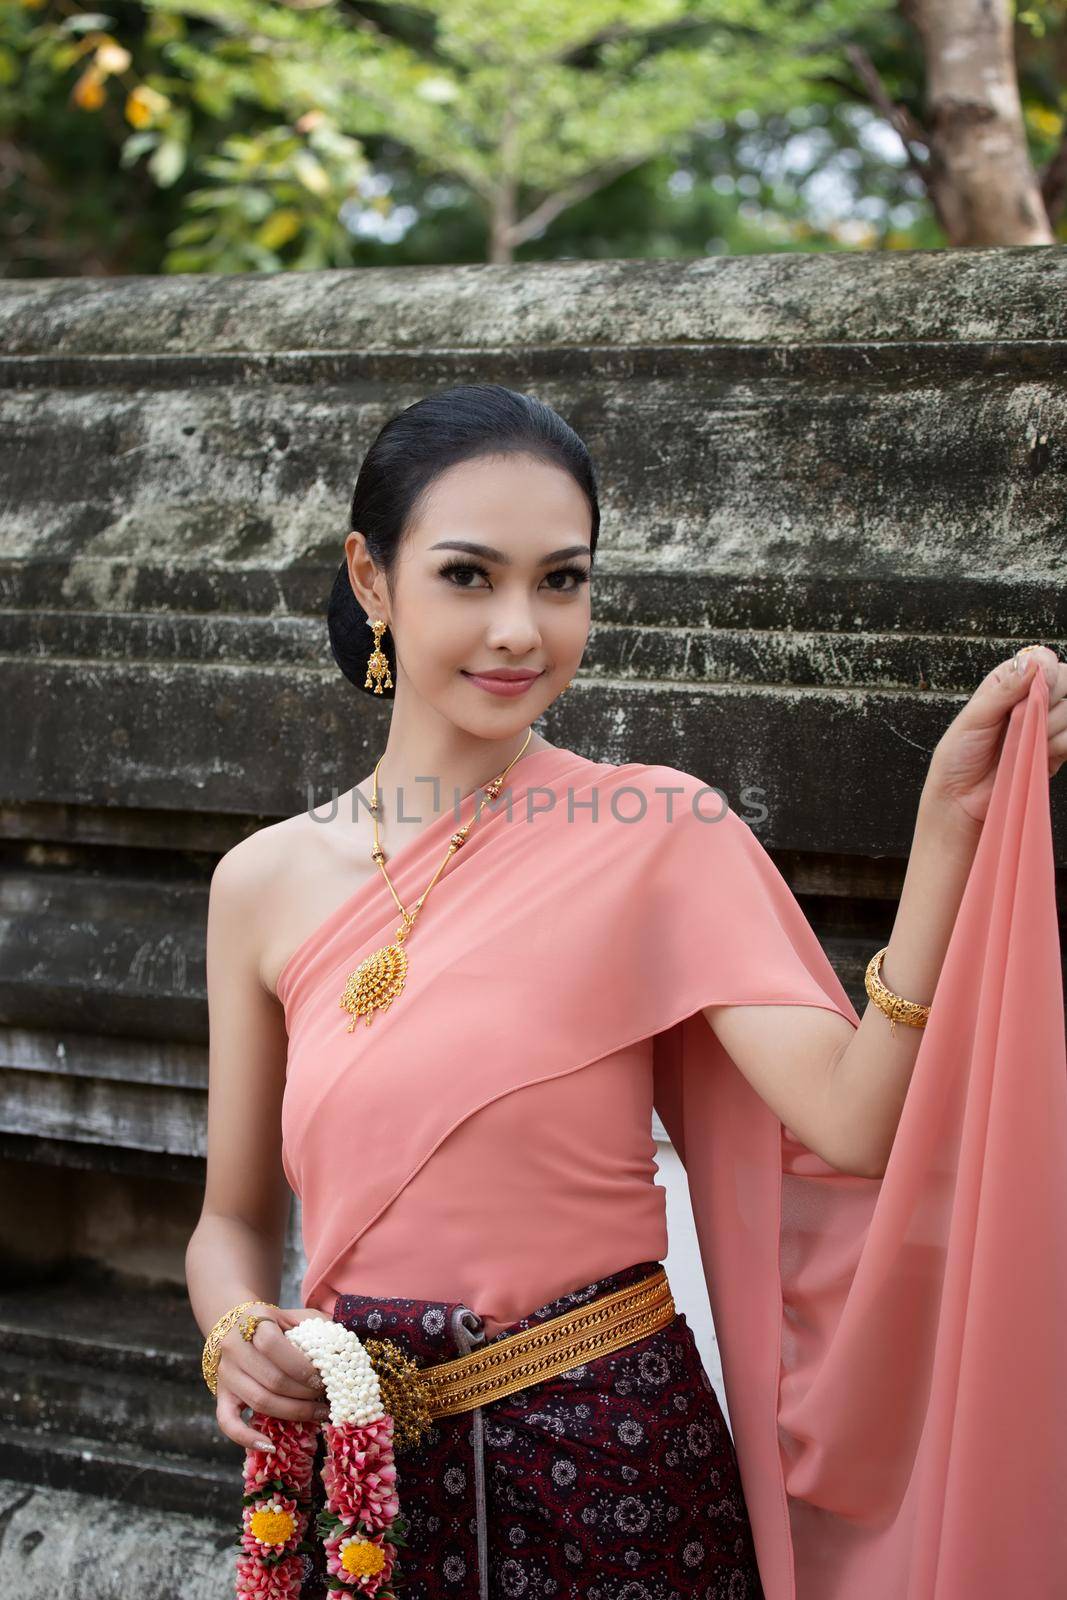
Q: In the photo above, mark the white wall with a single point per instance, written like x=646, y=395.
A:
x=683, y=1259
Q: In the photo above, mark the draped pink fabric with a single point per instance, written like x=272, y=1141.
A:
x=581, y=1196
x=890, y=1347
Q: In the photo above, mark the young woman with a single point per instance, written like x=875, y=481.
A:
x=444, y=1025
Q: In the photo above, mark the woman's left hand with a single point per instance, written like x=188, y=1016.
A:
x=964, y=762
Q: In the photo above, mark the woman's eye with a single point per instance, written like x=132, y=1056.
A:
x=576, y=573
x=454, y=571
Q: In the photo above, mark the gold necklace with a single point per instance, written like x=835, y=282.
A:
x=379, y=978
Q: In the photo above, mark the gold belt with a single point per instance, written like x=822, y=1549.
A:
x=415, y=1395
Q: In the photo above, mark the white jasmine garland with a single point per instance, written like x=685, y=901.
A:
x=352, y=1387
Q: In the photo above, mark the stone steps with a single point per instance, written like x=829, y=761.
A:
x=103, y=1394
x=84, y=1547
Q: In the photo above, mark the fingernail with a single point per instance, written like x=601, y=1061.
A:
x=265, y=1444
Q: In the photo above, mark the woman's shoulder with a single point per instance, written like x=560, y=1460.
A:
x=668, y=802
x=646, y=773
x=659, y=778
x=263, y=852
x=278, y=860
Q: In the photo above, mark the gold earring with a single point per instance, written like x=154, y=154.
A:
x=378, y=661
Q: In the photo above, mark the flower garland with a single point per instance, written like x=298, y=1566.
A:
x=361, y=1525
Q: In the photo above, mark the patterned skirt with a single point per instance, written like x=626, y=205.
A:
x=616, y=1480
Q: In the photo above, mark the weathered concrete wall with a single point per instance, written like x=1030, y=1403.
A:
x=833, y=487
x=833, y=491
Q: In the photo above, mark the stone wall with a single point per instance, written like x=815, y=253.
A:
x=833, y=490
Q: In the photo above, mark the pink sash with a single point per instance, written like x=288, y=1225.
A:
x=891, y=1348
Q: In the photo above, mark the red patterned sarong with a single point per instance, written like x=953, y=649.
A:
x=617, y=1480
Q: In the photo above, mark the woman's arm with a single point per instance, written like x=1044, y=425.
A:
x=871, y=1074
x=841, y=1088
x=235, y=1252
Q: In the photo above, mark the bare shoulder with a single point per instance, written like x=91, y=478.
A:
x=279, y=883
x=253, y=864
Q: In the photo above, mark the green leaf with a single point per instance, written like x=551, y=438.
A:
x=214, y=98
x=207, y=199
x=253, y=204
x=136, y=145
x=64, y=56
x=192, y=232
x=167, y=163
x=86, y=22
x=188, y=261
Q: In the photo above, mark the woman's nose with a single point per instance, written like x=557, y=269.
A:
x=516, y=631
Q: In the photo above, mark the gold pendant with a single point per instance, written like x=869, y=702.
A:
x=376, y=982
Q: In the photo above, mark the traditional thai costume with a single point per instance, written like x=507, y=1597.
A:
x=478, y=1161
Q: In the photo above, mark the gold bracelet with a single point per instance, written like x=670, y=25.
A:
x=209, y=1360
x=896, y=1008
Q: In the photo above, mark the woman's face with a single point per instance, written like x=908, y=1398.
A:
x=520, y=601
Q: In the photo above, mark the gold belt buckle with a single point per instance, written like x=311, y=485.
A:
x=404, y=1395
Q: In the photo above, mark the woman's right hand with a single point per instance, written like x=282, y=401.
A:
x=270, y=1374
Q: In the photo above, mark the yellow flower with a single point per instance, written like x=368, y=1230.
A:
x=362, y=1559
x=271, y=1527
x=143, y=105
x=1042, y=120
x=88, y=92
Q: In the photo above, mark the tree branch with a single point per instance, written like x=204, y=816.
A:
x=551, y=207
x=898, y=117
x=616, y=33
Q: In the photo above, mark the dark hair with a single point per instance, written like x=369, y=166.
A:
x=413, y=448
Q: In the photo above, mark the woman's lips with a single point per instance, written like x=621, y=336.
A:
x=509, y=689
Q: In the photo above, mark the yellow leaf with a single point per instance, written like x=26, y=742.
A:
x=311, y=172
x=281, y=226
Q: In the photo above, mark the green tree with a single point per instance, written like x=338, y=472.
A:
x=269, y=134
x=534, y=106
x=527, y=111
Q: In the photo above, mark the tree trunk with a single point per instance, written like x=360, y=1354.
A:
x=504, y=214
x=502, y=222
x=983, y=182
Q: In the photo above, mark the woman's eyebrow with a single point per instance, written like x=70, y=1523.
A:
x=490, y=554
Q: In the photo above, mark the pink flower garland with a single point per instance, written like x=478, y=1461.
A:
x=277, y=1502
x=361, y=1525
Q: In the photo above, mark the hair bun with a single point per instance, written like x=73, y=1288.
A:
x=351, y=639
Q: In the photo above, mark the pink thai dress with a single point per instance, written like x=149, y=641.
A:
x=891, y=1347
